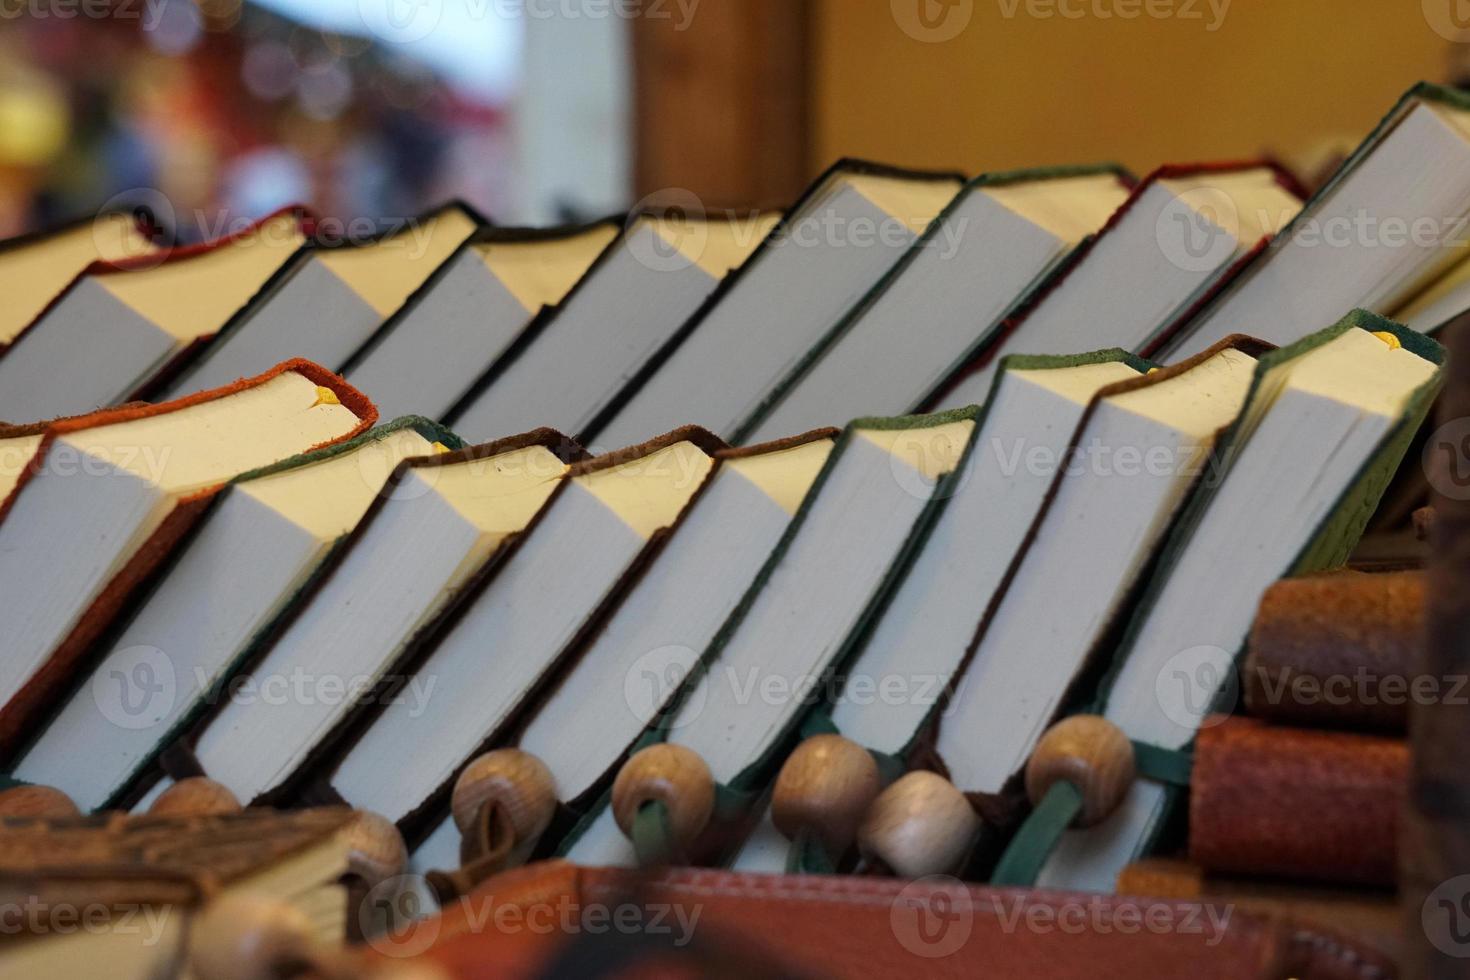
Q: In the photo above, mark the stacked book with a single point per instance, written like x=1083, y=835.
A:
x=914, y=530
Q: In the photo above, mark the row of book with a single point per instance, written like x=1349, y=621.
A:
x=879, y=292
x=235, y=572
x=363, y=622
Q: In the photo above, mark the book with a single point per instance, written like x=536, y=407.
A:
x=834, y=245
x=106, y=498
x=619, y=679
x=1140, y=450
x=1338, y=650
x=1251, y=783
x=1000, y=238
x=35, y=268
x=331, y=297
x=266, y=534
x=1362, y=240
x=1433, y=308
x=1183, y=231
x=756, y=679
x=1340, y=406
x=909, y=651
x=121, y=895
x=471, y=311
x=607, y=522
x=571, y=363
x=120, y=324
x=441, y=520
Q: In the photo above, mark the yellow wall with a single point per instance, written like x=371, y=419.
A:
x=1288, y=76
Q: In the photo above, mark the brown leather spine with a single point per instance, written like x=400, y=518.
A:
x=1436, y=842
x=1337, y=650
x=849, y=926
x=1296, y=803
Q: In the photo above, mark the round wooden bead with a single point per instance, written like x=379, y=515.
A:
x=196, y=797
x=825, y=787
x=1092, y=754
x=921, y=825
x=376, y=848
x=250, y=937
x=673, y=775
x=516, y=781
x=37, y=803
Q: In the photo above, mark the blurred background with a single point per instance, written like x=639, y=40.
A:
x=545, y=110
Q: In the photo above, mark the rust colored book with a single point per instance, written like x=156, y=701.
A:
x=105, y=498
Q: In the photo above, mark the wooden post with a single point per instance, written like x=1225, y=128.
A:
x=721, y=101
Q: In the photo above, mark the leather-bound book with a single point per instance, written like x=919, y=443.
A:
x=1338, y=650
x=1296, y=803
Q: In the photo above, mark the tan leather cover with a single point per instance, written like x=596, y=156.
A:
x=1337, y=650
x=1297, y=803
x=866, y=927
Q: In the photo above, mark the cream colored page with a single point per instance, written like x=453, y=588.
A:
x=33, y=275
x=716, y=245
x=1069, y=207
x=931, y=451
x=211, y=442
x=330, y=497
x=1079, y=382
x=498, y=494
x=786, y=475
x=385, y=273
x=541, y=273
x=194, y=297
x=916, y=203
x=648, y=493
x=1198, y=401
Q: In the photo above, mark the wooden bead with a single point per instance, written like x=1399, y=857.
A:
x=673, y=775
x=921, y=825
x=196, y=797
x=1092, y=754
x=37, y=803
x=250, y=937
x=376, y=849
x=825, y=787
x=517, y=782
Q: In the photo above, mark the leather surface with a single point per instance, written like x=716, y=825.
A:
x=1296, y=803
x=868, y=927
x=1336, y=650
x=1436, y=840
